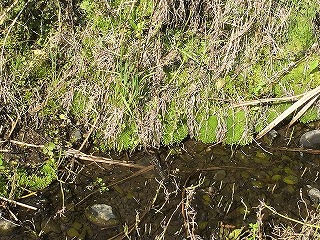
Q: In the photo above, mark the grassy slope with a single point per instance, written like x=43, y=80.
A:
x=154, y=72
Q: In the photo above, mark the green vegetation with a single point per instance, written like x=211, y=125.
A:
x=153, y=74
x=16, y=178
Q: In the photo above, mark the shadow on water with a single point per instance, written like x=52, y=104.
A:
x=199, y=188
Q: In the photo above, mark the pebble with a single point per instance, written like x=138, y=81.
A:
x=290, y=179
x=220, y=175
x=310, y=139
x=101, y=215
x=6, y=227
x=276, y=177
x=72, y=233
x=314, y=194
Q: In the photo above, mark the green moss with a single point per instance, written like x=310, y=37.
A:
x=50, y=109
x=40, y=180
x=300, y=35
x=208, y=128
x=236, y=127
x=175, y=127
x=174, y=132
x=312, y=114
x=128, y=138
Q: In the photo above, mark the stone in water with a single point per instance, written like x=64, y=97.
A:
x=310, y=139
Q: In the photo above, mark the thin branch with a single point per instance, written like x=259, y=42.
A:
x=85, y=157
x=309, y=95
x=303, y=110
x=13, y=125
x=18, y=203
x=24, y=144
x=268, y=100
x=89, y=133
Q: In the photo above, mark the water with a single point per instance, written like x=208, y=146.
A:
x=214, y=189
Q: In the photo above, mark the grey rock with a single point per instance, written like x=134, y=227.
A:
x=76, y=135
x=6, y=227
x=102, y=215
x=310, y=139
x=314, y=194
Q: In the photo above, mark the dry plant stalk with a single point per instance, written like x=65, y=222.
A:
x=305, y=99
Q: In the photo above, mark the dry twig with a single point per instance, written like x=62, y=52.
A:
x=85, y=157
x=309, y=95
x=18, y=203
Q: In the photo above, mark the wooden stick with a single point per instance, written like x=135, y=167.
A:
x=306, y=150
x=18, y=203
x=302, y=111
x=26, y=144
x=13, y=125
x=77, y=154
x=267, y=100
x=85, y=157
x=89, y=133
x=309, y=95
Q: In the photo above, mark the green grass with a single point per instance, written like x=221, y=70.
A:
x=154, y=75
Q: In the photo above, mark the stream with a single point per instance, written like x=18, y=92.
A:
x=195, y=188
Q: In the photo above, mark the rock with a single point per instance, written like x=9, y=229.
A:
x=271, y=136
x=245, y=174
x=290, y=179
x=206, y=199
x=102, y=215
x=314, y=194
x=220, y=175
x=6, y=227
x=289, y=189
x=288, y=170
x=310, y=139
x=50, y=225
x=276, y=177
x=75, y=135
x=72, y=233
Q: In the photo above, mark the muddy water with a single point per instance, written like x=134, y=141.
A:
x=213, y=186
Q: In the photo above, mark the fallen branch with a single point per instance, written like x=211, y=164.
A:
x=288, y=218
x=23, y=144
x=13, y=125
x=303, y=110
x=18, y=203
x=309, y=95
x=80, y=155
x=268, y=100
x=85, y=157
x=311, y=151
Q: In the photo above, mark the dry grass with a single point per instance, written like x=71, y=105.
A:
x=180, y=52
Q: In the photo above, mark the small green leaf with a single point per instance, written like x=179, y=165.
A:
x=313, y=65
x=235, y=234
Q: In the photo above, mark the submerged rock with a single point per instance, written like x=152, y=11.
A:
x=220, y=175
x=76, y=135
x=310, y=139
x=50, y=225
x=314, y=194
x=6, y=227
x=290, y=179
x=102, y=215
